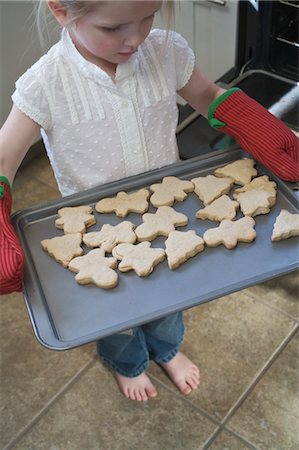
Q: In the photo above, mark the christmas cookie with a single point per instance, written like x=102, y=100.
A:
x=63, y=248
x=220, y=209
x=255, y=202
x=75, y=219
x=171, y=190
x=124, y=203
x=182, y=245
x=210, y=187
x=229, y=233
x=109, y=236
x=141, y=257
x=95, y=268
x=161, y=223
x=241, y=171
x=285, y=226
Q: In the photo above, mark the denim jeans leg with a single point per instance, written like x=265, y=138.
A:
x=125, y=352
x=164, y=337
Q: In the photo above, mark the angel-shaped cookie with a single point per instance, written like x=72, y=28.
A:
x=171, y=190
x=75, y=219
x=161, y=223
x=286, y=225
x=124, y=203
x=141, y=257
x=95, y=268
x=109, y=236
x=182, y=245
x=229, y=233
x=241, y=171
x=210, y=187
x=63, y=248
x=220, y=209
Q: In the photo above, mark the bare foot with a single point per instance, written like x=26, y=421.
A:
x=138, y=388
x=184, y=374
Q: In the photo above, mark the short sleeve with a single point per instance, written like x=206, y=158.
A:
x=30, y=97
x=184, y=59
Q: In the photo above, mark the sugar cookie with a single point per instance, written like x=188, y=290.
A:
x=210, y=187
x=182, y=245
x=255, y=202
x=286, y=225
x=124, y=203
x=141, y=257
x=109, y=236
x=229, y=233
x=260, y=184
x=75, y=219
x=161, y=223
x=241, y=171
x=220, y=209
x=63, y=248
x=171, y=190
x=95, y=268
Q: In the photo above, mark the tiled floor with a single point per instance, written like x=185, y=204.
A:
x=246, y=345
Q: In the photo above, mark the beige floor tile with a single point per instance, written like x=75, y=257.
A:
x=227, y=441
x=230, y=339
x=269, y=417
x=30, y=373
x=27, y=192
x=93, y=415
x=281, y=292
x=41, y=170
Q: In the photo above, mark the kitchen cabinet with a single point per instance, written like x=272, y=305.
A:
x=210, y=27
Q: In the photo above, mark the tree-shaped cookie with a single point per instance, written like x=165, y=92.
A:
x=124, y=203
x=220, y=209
x=161, y=223
x=141, y=257
x=182, y=245
x=171, y=190
x=286, y=225
x=255, y=202
x=260, y=184
x=241, y=171
x=210, y=187
x=95, y=268
x=75, y=219
x=63, y=248
x=229, y=233
x=109, y=236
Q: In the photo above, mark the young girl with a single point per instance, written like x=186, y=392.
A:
x=104, y=100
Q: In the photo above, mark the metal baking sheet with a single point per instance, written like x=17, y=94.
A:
x=65, y=314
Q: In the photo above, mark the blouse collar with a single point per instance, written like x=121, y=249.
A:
x=92, y=71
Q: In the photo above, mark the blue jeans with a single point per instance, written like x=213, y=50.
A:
x=129, y=352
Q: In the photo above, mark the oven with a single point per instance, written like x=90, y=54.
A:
x=266, y=68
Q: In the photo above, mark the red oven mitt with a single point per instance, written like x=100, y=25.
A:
x=11, y=253
x=257, y=131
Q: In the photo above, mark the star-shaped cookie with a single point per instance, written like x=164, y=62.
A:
x=63, y=248
x=95, y=268
x=171, y=190
x=109, y=236
x=229, y=233
x=161, y=223
x=75, y=219
x=124, y=203
x=141, y=257
x=285, y=226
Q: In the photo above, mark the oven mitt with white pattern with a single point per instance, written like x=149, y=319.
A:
x=257, y=131
x=11, y=253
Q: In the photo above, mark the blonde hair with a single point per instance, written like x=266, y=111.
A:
x=78, y=9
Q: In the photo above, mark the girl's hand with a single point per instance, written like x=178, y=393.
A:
x=258, y=132
x=11, y=253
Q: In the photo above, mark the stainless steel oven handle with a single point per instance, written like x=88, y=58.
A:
x=216, y=2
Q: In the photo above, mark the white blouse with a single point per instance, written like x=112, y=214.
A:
x=97, y=130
